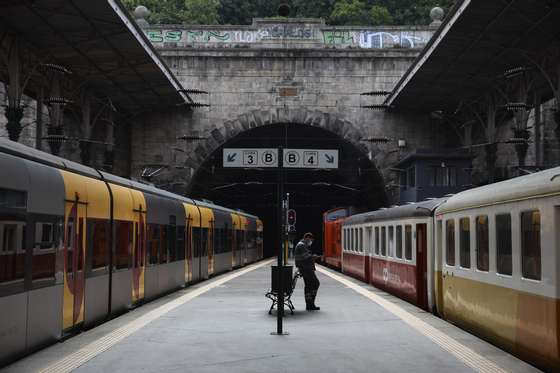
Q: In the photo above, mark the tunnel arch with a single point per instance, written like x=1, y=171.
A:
x=356, y=183
x=229, y=129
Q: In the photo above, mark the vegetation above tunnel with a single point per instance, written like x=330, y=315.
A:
x=335, y=12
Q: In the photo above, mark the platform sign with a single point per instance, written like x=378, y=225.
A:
x=310, y=158
x=252, y=157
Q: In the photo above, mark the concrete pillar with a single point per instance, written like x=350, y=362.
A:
x=467, y=128
x=85, y=143
x=39, y=120
x=492, y=147
x=537, y=132
x=109, y=156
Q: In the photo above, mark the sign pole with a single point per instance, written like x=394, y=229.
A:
x=281, y=215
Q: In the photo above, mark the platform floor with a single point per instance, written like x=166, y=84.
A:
x=223, y=325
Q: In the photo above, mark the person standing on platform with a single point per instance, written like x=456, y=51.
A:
x=305, y=262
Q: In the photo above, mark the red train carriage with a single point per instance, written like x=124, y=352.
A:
x=332, y=225
x=390, y=249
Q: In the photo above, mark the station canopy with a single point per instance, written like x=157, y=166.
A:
x=102, y=47
x=477, y=43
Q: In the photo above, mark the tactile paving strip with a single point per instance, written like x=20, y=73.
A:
x=80, y=357
x=466, y=355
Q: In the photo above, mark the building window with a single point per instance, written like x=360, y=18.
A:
x=442, y=176
x=398, y=240
x=450, y=242
x=465, y=242
x=503, y=244
x=408, y=242
x=482, y=248
x=411, y=177
x=531, y=244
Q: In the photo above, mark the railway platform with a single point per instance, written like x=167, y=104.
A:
x=223, y=325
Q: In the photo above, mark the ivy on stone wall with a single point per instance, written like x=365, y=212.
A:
x=336, y=12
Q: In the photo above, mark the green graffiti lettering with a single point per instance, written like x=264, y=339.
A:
x=337, y=37
x=173, y=36
x=216, y=35
x=155, y=36
x=194, y=36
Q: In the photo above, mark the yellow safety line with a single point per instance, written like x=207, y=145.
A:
x=80, y=357
x=468, y=356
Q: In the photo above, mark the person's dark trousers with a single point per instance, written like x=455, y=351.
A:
x=311, y=285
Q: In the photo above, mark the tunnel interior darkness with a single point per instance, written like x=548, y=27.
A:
x=356, y=182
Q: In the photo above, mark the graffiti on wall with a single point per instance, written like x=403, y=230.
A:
x=373, y=39
x=362, y=39
x=234, y=36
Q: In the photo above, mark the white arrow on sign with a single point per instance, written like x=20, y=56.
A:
x=251, y=157
x=311, y=158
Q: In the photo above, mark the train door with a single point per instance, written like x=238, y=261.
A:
x=421, y=257
x=437, y=270
x=210, y=246
x=192, y=255
x=206, y=254
x=236, y=223
x=74, y=262
x=138, y=250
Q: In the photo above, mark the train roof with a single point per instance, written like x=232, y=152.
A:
x=413, y=210
x=539, y=184
x=32, y=154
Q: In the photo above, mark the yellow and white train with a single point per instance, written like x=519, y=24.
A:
x=492, y=264
x=78, y=245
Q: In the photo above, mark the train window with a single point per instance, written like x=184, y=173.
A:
x=391, y=242
x=361, y=237
x=44, y=255
x=450, y=242
x=218, y=241
x=369, y=242
x=465, y=242
x=100, y=243
x=204, y=241
x=377, y=240
x=163, y=245
x=383, y=241
x=12, y=199
x=408, y=242
x=503, y=244
x=123, y=244
x=12, y=251
x=172, y=242
x=482, y=247
x=531, y=244
x=398, y=240
x=153, y=244
x=180, y=243
x=69, y=244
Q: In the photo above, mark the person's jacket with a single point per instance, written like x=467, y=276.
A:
x=304, y=256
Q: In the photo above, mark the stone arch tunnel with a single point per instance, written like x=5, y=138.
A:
x=356, y=182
